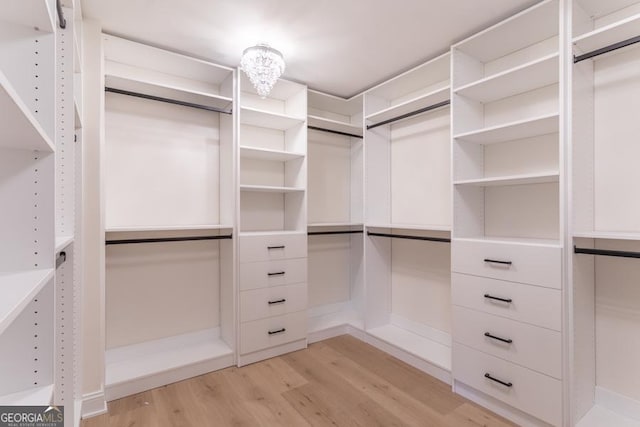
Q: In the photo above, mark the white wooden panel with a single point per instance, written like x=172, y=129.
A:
x=420, y=170
x=255, y=335
x=531, y=53
x=261, y=211
x=520, y=107
x=421, y=282
x=157, y=290
x=270, y=139
x=377, y=175
x=329, y=269
x=377, y=255
x=274, y=301
x=530, y=304
x=269, y=246
x=617, y=85
x=255, y=275
x=533, y=347
x=329, y=178
x=161, y=162
x=531, y=155
x=534, y=264
x=531, y=392
x=523, y=211
x=261, y=172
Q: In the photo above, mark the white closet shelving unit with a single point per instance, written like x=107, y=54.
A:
x=407, y=194
x=27, y=197
x=506, y=257
x=605, y=301
x=335, y=230
x=170, y=217
x=272, y=195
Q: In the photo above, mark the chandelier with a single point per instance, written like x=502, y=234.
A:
x=263, y=65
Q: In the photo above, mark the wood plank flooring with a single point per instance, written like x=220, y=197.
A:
x=338, y=382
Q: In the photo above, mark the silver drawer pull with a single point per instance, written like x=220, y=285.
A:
x=278, y=273
x=277, y=331
x=506, y=384
x=277, y=301
x=493, y=337
x=275, y=247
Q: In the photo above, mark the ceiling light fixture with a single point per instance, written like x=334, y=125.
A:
x=263, y=65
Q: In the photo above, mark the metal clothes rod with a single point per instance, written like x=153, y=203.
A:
x=603, y=50
x=337, y=132
x=322, y=233
x=63, y=22
x=403, y=236
x=166, y=239
x=606, y=252
x=167, y=100
x=411, y=114
x=61, y=258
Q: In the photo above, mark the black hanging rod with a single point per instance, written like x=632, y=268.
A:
x=411, y=114
x=606, y=49
x=63, y=22
x=60, y=259
x=167, y=100
x=166, y=239
x=337, y=132
x=323, y=233
x=606, y=252
x=404, y=236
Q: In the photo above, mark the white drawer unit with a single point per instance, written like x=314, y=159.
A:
x=536, y=264
x=274, y=301
x=266, y=247
x=534, y=393
x=272, y=273
x=525, y=303
x=273, y=331
x=529, y=346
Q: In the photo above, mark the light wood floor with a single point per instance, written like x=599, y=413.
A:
x=338, y=382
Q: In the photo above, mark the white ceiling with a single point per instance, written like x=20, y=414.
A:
x=335, y=46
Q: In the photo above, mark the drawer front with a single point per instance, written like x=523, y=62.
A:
x=257, y=275
x=275, y=301
x=530, y=304
x=273, y=331
x=536, y=265
x=533, y=347
x=270, y=247
x=531, y=392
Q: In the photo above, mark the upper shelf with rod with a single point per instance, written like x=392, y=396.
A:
x=29, y=13
x=328, y=113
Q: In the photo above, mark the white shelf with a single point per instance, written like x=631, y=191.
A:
x=20, y=129
x=266, y=154
x=154, y=228
x=77, y=58
x=524, y=78
x=334, y=125
x=430, y=351
x=421, y=227
x=550, y=243
x=609, y=34
x=602, y=417
x=336, y=315
x=18, y=289
x=78, y=112
x=267, y=119
x=611, y=235
x=173, y=92
x=270, y=189
x=124, y=364
x=411, y=105
x=535, y=178
x=272, y=233
x=521, y=129
x=62, y=242
x=33, y=397
x=30, y=13
x=335, y=224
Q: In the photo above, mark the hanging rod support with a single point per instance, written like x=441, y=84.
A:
x=606, y=49
x=403, y=236
x=606, y=252
x=167, y=100
x=166, y=239
x=323, y=233
x=60, y=259
x=337, y=132
x=411, y=114
x=62, y=21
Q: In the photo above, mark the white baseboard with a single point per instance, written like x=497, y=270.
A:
x=247, y=359
x=325, y=334
x=618, y=403
x=94, y=404
x=421, y=329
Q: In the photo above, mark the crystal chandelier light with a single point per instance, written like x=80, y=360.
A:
x=263, y=65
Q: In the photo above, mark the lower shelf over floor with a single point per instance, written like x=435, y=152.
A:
x=143, y=366
x=31, y=397
x=599, y=416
